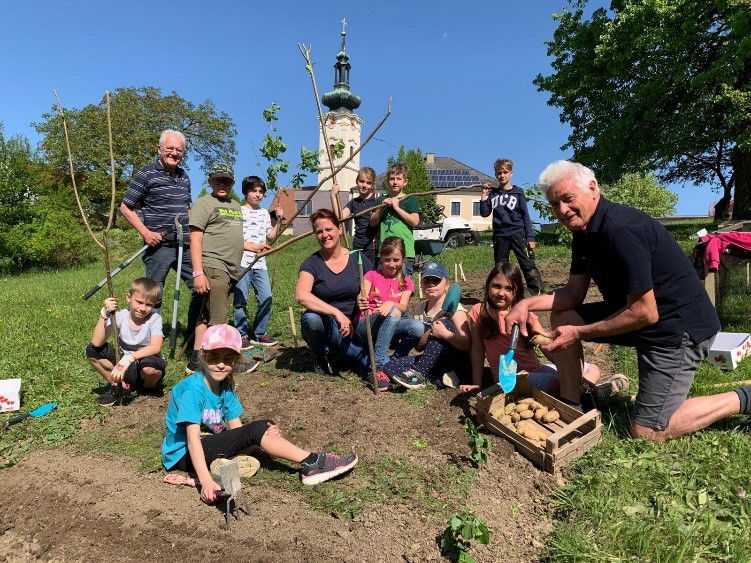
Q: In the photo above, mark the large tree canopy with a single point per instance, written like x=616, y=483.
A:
x=139, y=115
x=656, y=85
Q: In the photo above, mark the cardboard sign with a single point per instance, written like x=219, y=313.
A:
x=10, y=391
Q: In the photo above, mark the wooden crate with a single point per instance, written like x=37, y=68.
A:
x=567, y=438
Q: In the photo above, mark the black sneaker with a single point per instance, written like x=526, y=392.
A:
x=191, y=367
x=411, y=379
x=109, y=397
x=263, y=340
x=245, y=365
x=322, y=366
x=326, y=467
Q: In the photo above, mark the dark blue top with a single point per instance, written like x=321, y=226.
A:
x=161, y=195
x=625, y=251
x=510, y=214
x=338, y=290
x=364, y=233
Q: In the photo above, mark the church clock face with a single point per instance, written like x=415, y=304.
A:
x=330, y=123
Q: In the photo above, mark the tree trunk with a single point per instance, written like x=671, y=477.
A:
x=741, y=162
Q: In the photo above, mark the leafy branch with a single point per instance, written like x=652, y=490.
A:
x=463, y=528
x=479, y=443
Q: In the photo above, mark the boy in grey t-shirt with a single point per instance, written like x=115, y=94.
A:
x=140, y=339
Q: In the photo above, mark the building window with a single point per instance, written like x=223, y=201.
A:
x=456, y=208
x=476, y=208
x=307, y=211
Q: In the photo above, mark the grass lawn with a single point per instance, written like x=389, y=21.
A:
x=626, y=499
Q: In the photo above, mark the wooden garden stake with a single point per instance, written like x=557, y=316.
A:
x=103, y=244
x=461, y=272
x=368, y=329
x=293, y=326
x=456, y=272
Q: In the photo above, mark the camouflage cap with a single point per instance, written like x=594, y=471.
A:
x=221, y=170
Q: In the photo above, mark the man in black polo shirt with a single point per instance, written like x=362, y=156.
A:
x=161, y=190
x=652, y=300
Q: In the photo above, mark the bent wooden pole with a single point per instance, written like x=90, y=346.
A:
x=309, y=66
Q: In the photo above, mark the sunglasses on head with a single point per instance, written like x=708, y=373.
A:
x=221, y=357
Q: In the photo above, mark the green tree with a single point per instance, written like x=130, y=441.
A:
x=139, y=115
x=650, y=85
x=38, y=225
x=642, y=191
x=419, y=181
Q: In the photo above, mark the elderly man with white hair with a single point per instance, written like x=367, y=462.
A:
x=161, y=190
x=652, y=300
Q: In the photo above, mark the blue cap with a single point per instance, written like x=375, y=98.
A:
x=434, y=270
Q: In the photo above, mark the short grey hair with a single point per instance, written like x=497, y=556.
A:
x=170, y=133
x=561, y=169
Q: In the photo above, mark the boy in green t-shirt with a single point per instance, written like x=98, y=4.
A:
x=400, y=217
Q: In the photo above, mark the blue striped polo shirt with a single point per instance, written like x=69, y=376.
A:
x=160, y=196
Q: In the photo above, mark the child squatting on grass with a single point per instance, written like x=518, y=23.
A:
x=141, y=366
x=386, y=295
x=503, y=289
x=206, y=399
x=444, y=344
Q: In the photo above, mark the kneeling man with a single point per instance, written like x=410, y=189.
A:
x=652, y=300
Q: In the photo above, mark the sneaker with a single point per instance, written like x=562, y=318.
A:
x=191, y=367
x=247, y=464
x=245, y=365
x=450, y=379
x=246, y=344
x=613, y=386
x=383, y=381
x=322, y=366
x=109, y=397
x=326, y=467
x=411, y=379
x=263, y=340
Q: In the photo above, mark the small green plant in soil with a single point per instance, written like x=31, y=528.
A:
x=479, y=444
x=462, y=529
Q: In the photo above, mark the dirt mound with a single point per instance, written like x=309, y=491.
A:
x=59, y=506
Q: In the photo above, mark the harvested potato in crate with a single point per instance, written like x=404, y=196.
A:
x=543, y=429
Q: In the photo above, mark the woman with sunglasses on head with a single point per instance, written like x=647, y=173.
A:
x=207, y=400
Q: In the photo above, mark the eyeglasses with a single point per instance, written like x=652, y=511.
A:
x=170, y=150
x=226, y=358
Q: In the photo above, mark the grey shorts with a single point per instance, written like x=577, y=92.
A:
x=665, y=372
x=665, y=377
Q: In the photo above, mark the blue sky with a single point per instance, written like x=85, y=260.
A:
x=460, y=74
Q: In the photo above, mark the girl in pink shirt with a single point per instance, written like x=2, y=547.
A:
x=388, y=291
x=503, y=289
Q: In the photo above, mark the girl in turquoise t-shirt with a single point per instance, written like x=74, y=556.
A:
x=207, y=400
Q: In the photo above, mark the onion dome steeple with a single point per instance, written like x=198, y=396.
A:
x=341, y=97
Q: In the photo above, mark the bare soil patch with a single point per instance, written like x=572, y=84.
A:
x=84, y=502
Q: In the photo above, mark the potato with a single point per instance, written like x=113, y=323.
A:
x=539, y=413
x=534, y=405
x=526, y=414
x=496, y=411
x=551, y=416
x=505, y=420
x=525, y=401
x=521, y=407
x=533, y=433
x=508, y=409
x=524, y=424
x=515, y=417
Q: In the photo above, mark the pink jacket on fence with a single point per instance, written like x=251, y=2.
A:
x=717, y=243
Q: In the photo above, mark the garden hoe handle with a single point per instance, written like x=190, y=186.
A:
x=176, y=301
x=368, y=329
x=124, y=264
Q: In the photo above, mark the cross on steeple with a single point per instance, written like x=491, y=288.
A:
x=344, y=26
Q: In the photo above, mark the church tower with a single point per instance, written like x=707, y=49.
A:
x=342, y=124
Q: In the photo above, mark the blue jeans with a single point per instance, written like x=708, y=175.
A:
x=403, y=331
x=158, y=261
x=321, y=334
x=261, y=283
